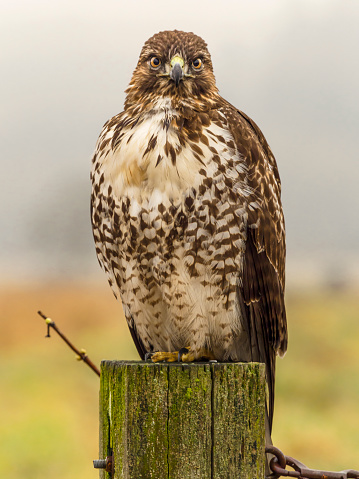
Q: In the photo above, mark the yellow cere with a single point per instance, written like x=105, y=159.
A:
x=177, y=59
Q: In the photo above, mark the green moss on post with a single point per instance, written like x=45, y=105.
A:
x=189, y=421
x=238, y=413
x=183, y=421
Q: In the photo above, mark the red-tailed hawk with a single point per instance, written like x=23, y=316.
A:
x=187, y=215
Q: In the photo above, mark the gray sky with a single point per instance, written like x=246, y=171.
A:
x=292, y=66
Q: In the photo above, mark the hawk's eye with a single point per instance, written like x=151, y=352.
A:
x=197, y=64
x=155, y=62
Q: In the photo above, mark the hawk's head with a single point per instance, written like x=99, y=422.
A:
x=173, y=64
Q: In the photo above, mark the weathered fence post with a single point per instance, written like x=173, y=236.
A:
x=182, y=421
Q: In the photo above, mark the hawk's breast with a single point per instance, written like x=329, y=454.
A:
x=175, y=233
x=157, y=153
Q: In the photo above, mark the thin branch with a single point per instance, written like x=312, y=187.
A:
x=81, y=355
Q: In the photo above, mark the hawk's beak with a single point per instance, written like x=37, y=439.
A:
x=177, y=73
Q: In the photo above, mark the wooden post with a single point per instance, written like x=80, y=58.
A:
x=183, y=421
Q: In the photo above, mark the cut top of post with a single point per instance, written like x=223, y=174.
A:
x=172, y=421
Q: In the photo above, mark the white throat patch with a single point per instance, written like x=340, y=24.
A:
x=139, y=172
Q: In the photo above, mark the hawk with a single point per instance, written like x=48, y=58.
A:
x=187, y=216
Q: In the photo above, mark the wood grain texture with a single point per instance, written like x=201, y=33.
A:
x=188, y=421
x=238, y=414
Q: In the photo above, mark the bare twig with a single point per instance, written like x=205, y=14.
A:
x=81, y=355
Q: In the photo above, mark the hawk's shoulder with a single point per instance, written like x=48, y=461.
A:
x=111, y=134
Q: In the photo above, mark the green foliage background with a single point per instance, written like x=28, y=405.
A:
x=49, y=403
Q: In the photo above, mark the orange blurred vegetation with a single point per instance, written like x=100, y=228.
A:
x=49, y=402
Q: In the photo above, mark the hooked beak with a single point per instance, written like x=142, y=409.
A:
x=177, y=73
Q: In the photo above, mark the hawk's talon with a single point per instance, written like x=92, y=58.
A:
x=163, y=356
x=181, y=352
x=184, y=355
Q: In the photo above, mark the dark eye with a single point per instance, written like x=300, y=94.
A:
x=155, y=62
x=197, y=64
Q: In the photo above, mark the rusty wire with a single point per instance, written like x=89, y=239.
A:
x=279, y=463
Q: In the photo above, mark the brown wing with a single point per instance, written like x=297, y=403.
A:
x=261, y=292
x=137, y=340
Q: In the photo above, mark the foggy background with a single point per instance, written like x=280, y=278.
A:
x=292, y=66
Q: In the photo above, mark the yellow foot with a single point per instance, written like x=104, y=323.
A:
x=185, y=355
x=164, y=356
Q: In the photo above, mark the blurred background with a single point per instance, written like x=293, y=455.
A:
x=293, y=67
